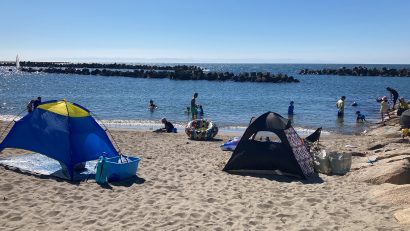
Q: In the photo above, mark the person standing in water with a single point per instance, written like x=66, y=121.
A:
x=201, y=112
x=393, y=95
x=290, y=108
x=194, y=107
x=341, y=106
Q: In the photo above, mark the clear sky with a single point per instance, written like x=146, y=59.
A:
x=268, y=31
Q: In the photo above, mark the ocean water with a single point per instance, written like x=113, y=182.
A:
x=122, y=102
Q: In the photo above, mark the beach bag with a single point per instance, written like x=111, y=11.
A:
x=321, y=162
x=340, y=163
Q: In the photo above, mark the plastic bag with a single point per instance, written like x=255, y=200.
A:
x=321, y=162
x=340, y=162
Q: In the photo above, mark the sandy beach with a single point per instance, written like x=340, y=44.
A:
x=180, y=186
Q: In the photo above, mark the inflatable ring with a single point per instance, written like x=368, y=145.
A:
x=201, y=129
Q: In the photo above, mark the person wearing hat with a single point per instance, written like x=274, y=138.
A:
x=340, y=104
x=384, y=108
x=403, y=106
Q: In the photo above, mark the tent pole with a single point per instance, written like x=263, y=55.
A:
x=112, y=137
x=71, y=172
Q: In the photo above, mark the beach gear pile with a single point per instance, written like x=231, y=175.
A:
x=288, y=155
x=332, y=162
x=201, y=129
x=63, y=131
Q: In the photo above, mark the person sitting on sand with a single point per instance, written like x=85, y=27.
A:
x=290, y=108
x=402, y=106
x=152, y=105
x=384, y=108
x=168, y=126
x=340, y=104
x=360, y=118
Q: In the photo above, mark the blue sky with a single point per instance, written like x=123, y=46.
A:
x=268, y=31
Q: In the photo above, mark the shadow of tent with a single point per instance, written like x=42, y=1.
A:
x=129, y=182
x=40, y=176
x=211, y=140
x=313, y=179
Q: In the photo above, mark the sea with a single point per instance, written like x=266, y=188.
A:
x=122, y=102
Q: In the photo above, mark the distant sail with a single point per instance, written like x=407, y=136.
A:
x=17, y=62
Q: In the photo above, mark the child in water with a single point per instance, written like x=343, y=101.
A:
x=201, y=112
x=360, y=118
x=290, y=108
x=188, y=110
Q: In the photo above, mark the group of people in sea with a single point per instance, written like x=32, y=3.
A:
x=384, y=106
x=195, y=110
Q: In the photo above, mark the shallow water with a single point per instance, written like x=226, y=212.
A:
x=122, y=102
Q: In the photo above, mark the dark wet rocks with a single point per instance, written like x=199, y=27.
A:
x=178, y=72
x=359, y=71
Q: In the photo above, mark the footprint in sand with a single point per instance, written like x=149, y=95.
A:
x=16, y=218
x=181, y=215
x=195, y=215
x=89, y=222
x=53, y=213
x=287, y=203
x=264, y=206
x=6, y=187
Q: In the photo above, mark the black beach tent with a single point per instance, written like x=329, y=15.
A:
x=288, y=154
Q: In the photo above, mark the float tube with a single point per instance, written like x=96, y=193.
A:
x=201, y=129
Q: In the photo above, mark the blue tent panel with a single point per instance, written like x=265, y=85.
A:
x=70, y=140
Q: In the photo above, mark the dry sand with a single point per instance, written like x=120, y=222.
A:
x=181, y=187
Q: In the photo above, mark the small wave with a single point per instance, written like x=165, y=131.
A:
x=141, y=125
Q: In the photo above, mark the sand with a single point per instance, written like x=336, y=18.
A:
x=181, y=187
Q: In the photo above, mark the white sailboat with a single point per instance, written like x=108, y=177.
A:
x=17, y=63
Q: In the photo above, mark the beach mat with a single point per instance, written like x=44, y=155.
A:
x=41, y=164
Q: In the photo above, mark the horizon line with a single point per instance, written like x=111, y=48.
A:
x=203, y=62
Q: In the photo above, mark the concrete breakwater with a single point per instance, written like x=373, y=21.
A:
x=178, y=72
x=359, y=71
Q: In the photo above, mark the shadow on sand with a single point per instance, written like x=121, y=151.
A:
x=314, y=179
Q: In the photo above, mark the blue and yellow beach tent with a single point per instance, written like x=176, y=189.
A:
x=63, y=131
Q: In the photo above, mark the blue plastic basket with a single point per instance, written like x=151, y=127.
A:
x=121, y=170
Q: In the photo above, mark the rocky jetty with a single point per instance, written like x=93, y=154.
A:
x=178, y=72
x=359, y=71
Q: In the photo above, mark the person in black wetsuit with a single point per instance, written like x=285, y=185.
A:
x=168, y=126
x=394, y=95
